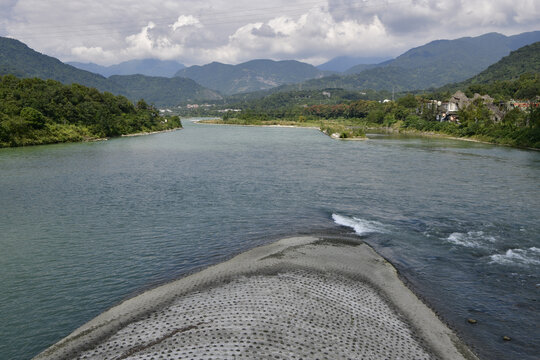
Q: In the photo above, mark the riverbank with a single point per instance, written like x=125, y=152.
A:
x=73, y=134
x=273, y=125
x=333, y=129
x=152, y=132
x=336, y=135
x=433, y=134
x=441, y=135
x=308, y=297
x=336, y=130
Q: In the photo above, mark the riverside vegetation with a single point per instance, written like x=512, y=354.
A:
x=34, y=111
x=409, y=113
x=339, y=128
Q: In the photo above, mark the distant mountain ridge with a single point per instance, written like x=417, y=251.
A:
x=18, y=59
x=521, y=61
x=148, y=67
x=520, y=65
x=162, y=91
x=361, y=67
x=345, y=63
x=429, y=66
x=250, y=76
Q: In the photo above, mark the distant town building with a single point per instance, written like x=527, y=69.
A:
x=522, y=105
x=229, y=110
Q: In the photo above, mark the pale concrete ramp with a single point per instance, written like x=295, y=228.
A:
x=299, y=298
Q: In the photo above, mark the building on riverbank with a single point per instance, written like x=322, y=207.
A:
x=449, y=110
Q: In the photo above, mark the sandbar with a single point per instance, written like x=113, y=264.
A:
x=305, y=297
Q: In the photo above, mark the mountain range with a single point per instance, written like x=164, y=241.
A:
x=429, y=66
x=148, y=67
x=343, y=64
x=18, y=59
x=432, y=65
x=162, y=91
x=250, y=76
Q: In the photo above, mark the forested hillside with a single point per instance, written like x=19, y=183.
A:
x=35, y=111
x=303, y=98
x=162, y=91
x=515, y=76
x=519, y=62
x=18, y=59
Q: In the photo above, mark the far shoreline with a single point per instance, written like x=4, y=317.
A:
x=213, y=122
x=95, y=139
x=377, y=130
x=439, y=135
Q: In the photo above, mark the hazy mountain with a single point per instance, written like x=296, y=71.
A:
x=18, y=59
x=250, y=76
x=361, y=67
x=344, y=63
x=149, y=67
x=162, y=91
x=432, y=65
x=466, y=56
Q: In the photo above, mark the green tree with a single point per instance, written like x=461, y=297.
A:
x=408, y=101
x=142, y=105
x=33, y=117
x=376, y=116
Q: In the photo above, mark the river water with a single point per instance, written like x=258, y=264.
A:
x=83, y=226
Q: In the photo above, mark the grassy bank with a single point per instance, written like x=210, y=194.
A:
x=336, y=128
x=494, y=133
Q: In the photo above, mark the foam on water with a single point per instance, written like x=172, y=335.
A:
x=471, y=239
x=360, y=226
x=522, y=257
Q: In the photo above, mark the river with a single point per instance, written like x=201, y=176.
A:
x=83, y=226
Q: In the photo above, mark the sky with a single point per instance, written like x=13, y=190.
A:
x=232, y=31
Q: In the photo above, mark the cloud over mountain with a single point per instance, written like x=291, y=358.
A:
x=108, y=32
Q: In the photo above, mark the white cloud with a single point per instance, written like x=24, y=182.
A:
x=444, y=18
x=184, y=20
x=109, y=31
x=141, y=43
x=312, y=34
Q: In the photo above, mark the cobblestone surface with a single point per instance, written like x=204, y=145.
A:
x=294, y=315
x=298, y=298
